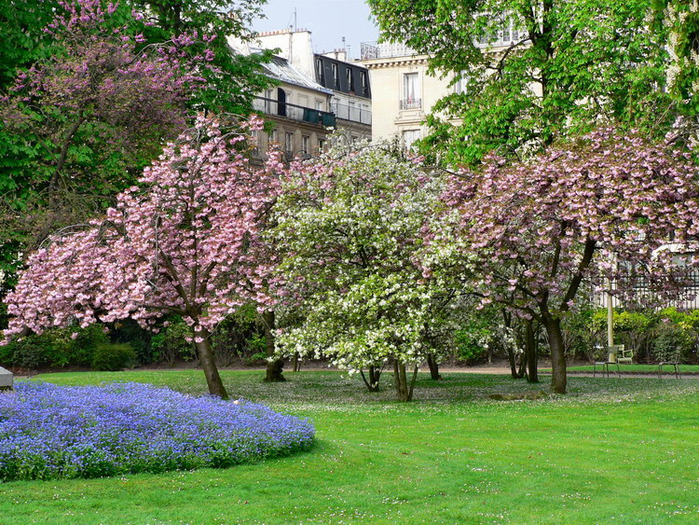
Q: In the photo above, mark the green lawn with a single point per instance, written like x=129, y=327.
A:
x=668, y=371
x=613, y=451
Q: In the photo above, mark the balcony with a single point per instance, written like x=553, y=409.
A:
x=352, y=113
x=411, y=103
x=374, y=51
x=270, y=106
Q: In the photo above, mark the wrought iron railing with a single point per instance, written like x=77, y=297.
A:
x=292, y=111
x=411, y=103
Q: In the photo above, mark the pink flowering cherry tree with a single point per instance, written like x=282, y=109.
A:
x=534, y=232
x=186, y=242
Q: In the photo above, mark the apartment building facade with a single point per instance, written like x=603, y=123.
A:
x=348, y=82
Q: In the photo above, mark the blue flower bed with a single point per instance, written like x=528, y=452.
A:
x=47, y=431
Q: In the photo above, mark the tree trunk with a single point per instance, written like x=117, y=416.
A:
x=275, y=367
x=558, y=358
x=516, y=371
x=374, y=375
x=532, y=353
x=208, y=364
x=434, y=367
x=297, y=362
x=403, y=389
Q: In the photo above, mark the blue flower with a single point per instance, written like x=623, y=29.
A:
x=47, y=431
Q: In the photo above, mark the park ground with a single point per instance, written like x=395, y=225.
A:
x=611, y=451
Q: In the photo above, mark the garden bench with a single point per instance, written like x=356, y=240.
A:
x=674, y=364
x=615, y=354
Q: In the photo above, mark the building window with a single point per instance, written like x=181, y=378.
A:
x=320, y=72
x=273, y=139
x=352, y=111
x=409, y=137
x=304, y=144
x=461, y=85
x=289, y=143
x=411, y=92
x=268, y=101
x=365, y=83
x=336, y=76
x=281, y=102
x=507, y=31
x=321, y=145
x=255, y=137
x=350, y=79
x=319, y=105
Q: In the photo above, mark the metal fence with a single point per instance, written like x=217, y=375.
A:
x=680, y=290
x=294, y=112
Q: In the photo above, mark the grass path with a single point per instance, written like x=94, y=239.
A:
x=614, y=451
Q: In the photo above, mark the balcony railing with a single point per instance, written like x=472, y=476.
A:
x=412, y=103
x=372, y=50
x=352, y=113
x=292, y=111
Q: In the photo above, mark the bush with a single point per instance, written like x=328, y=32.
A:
x=241, y=336
x=111, y=357
x=129, y=331
x=56, y=348
x=170, y=344
x=49, y=432
x=472, y=345
x=257, y=359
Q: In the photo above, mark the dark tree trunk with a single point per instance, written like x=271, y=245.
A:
x=275, y=367
x=516, y=369
x=434, y=367
x=297, y=362
x=532, y=352
x=374, y=375
x=559, y=378
x=208, y=364
x=404, y=389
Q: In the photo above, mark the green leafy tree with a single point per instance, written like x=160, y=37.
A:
x=234, y=79
x=559, y=67
x=23, y=35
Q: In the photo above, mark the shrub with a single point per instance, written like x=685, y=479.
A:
x=49, y=432
x=240, y=335
x=129, y=331
x=170, y=344
x=257, y=359
x=673, y=342
x=113, y=357
x=472, y=345
x=59, y=347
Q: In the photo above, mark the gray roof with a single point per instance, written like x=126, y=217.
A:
x=282, y=70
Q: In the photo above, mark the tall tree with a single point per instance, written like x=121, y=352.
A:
x=535, y=231
x=188, y=243
x=564, y=65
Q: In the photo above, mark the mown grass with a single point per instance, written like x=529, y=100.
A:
x=640, y=369
x=614, y=450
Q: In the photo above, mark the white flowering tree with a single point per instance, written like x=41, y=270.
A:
x=349, y=227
